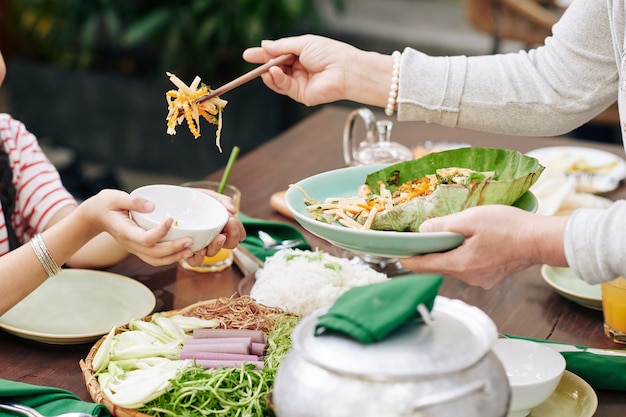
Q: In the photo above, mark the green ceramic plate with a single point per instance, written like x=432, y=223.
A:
x=572, y=287
x=78, y=306
x=573, y=397
x=345, y=182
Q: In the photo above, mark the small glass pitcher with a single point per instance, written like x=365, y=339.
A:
x=376, y=147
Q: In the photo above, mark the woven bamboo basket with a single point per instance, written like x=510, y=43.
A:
x=262, y=319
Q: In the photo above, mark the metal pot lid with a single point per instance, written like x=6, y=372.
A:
x=459, y=337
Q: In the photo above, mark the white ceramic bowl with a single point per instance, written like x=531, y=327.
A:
x=195, y=213
x=533, y=370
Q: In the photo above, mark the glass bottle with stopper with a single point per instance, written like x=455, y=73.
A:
x=376, y=147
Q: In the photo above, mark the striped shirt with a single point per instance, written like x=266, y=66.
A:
x=39, y=191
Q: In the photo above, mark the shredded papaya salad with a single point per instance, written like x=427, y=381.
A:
x=359, y=212
x=182, y=106
x=216, y=358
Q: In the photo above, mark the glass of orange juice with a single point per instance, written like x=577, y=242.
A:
x=614, y=309
x=224, y=258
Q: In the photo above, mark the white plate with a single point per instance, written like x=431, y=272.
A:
x=572, y=287
x=559, y=158
x=78, y=306
x=573, y=397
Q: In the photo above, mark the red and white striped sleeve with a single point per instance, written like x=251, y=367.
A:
x=40, y=192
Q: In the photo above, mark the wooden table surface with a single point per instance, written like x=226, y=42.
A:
x=523, y=304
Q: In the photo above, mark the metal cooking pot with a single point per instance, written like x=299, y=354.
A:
x=443, y=369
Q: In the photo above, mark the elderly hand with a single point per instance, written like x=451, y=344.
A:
x=499, y=241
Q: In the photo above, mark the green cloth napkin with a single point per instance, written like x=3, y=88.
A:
x=47, y=400
x=369, y=313
x=602, y=372
x=278, y=230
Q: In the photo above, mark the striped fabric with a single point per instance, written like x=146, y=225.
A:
x=40, y=193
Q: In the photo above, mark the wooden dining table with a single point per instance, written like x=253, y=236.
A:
x=524, y=304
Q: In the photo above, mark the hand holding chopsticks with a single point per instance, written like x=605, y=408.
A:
x=249, y=76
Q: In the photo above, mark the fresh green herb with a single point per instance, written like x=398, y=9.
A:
x=291, y=256
x=334, y=266
x=394, y=179
x=480, y=176
x=224, y=391
x=227, y=391
x=316, y=256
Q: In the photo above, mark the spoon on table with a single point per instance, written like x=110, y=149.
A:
x=271, y=243
x=31, y=412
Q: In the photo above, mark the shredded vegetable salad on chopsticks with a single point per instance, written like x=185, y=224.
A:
x=182, y=106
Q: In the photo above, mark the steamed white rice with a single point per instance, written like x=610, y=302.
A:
x=301, y=281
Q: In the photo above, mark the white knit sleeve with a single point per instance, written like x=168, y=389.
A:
x=546, y=91
x=594, y=243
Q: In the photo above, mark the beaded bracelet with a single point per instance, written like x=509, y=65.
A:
x=395, y=80
x=44, y=256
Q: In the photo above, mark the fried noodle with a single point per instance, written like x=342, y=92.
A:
x=182, y=107
x=237, y=313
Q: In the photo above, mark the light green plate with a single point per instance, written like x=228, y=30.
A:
x=345, y=182
x=573, y=397
x=78, y=306
x=572, y=287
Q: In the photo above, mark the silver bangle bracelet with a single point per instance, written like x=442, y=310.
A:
x=44, y=256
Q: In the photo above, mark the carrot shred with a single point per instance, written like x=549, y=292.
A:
x=184, y=99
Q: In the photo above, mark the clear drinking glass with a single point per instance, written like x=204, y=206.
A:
x=224, y=258
x=614, y=309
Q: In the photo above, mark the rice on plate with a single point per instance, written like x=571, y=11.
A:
x=302, y=281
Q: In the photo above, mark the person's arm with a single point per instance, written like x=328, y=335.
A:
x=22, y=270
x=546, y=91
x=594, y=243
x=326, y=71
x=105, y=250
x=106, y=212
x=100, y=251
x=499, y=241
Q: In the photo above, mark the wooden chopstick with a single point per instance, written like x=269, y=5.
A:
x=249, y=76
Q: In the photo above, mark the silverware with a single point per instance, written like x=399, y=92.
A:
x=31, y=412
x=271, y=243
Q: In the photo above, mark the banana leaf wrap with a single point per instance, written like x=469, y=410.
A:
x=514, y=174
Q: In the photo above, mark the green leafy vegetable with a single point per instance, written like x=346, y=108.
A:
x=514, y=173
x=227, y=392
x=136, y=365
